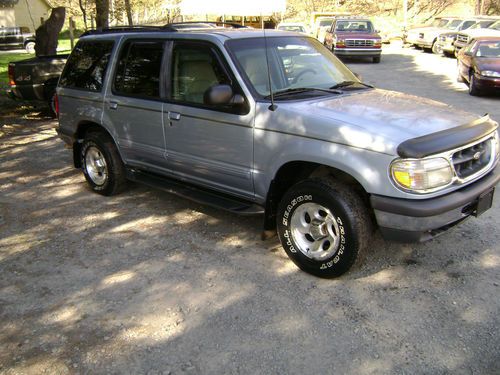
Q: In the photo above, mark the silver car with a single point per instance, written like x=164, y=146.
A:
x=273, y=124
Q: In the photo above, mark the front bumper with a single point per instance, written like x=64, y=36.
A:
x=366, y=52
x=487, y=83
x=447, y=46
x=409, y=220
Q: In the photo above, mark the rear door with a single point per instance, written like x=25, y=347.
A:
x=207, y=145
x=133, y=106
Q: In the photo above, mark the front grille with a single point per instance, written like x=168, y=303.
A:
x=442, y=38
x=472, y=160
x=463, y=38
x=359, y=43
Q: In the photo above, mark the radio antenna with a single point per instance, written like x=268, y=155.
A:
x=273, y=106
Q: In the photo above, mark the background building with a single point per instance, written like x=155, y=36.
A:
x=27, y=13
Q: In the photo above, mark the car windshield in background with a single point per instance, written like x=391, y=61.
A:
x=482, y=25
x=495, y=26
x=294, y=63
x=488, y=49
x=327, y=22
x=453, y=24
x=298, y=29
x=442, y=23
x=354, y=26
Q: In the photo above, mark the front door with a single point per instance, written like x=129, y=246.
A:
x=206, y=145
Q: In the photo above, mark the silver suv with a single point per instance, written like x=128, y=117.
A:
x=276, y=126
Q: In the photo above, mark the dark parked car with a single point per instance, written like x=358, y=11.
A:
x=479, y=65
x=354, y=37
x=17, y=37
x=36, y=78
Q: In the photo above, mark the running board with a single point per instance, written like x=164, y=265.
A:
x=196, y=194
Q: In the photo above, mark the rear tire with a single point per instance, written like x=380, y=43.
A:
x=322, y=225
x=102, y=165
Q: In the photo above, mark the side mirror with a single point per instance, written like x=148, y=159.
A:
x=357, y=75
x=222, y=95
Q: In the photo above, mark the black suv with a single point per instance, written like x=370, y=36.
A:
x=17, y=37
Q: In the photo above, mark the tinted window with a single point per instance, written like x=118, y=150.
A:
x=86, y=67
x=354, y=25
x=195, y=69
x=138, y=71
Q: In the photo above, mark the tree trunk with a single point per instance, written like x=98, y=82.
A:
x=129, y=12
x=84, y=12
x=101, y=13
x=47, y=35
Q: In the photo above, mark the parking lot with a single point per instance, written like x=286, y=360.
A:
x=145, y=282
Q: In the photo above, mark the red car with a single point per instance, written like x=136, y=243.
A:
x=479, y=64
x=354, y=37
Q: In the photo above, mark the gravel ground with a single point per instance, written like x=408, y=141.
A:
x=148, y=283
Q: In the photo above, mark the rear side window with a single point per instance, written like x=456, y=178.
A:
x=138, y=71
x=86, y=66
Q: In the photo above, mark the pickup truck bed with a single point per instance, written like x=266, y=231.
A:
x=35, y=78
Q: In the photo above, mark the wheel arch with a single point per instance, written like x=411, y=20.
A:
x=82, y=129
x=294, y=171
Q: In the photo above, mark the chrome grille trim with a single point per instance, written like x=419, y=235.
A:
x=359, y=43
x=463, y=38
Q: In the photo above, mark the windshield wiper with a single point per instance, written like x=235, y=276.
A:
x=301, y=90
x=349, y=83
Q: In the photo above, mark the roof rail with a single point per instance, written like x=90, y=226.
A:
x=169, y=27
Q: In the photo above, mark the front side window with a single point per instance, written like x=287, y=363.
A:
x=138, y=70
x=294, y=62
x=86, y=66
x=195, y=68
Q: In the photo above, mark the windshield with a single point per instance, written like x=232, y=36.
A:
x=488, y=49
x=482, y=25
x=442, y=23
x=325, y=22
x=294, y=62
x=354, y=25
x=453, y=24
x=296, y=28
x=495, y=26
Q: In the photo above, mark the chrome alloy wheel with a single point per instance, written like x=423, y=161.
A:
x=96, y=166
x=315, y=231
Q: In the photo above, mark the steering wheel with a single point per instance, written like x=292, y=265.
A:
x=305, y=71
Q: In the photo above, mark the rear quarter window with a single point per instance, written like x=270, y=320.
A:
x=87, y=65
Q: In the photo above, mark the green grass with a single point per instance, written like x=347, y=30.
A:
x=64, y=46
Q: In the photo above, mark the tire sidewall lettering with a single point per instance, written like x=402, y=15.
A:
x=289, y=245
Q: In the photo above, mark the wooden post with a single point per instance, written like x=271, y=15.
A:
x=71, y=34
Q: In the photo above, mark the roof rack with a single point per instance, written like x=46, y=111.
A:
x=169, y=27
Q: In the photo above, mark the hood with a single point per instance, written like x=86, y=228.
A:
x=488, y=63
x=378, y=120
x=356, y=35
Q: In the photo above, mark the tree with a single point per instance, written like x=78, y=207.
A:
x=102, y=13
x=47, y=35
x=129, y=12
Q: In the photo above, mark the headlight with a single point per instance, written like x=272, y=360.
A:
x=490, y=73
x=496, y=141
x=421, y=175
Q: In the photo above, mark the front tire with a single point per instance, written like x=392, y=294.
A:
x=30, y=47
x=102, y=165
x=437, y=49
x=322, y=225
x=473, y=90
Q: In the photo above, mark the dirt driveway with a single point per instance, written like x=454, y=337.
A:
x=148, y=283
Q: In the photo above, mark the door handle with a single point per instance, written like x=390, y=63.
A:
x=174, y=116
x=113, y=105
